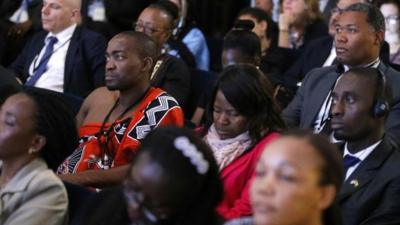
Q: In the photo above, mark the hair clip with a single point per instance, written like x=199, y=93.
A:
x=190, y=151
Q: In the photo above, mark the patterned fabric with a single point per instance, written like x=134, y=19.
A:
x=156, y=109
x=226, y=151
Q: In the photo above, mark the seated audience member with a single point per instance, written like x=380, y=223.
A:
x=113, y=120
x=32, y=138
x=65, y=57
x=241, y=46
x=359, y=34
x=151, y=193
x=300, y=22
x=19, y=21
x=242, y=120
x=295, y=182
x=188, y=39
x=321, y=52
x=169, y=73
x=273, y=59
x=371, y=191
x=110, y=17
x=391, y=11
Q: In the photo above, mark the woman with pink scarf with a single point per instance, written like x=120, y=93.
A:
x=243, y=118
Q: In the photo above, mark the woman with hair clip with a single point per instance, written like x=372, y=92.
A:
x=242, y=119
x=36, y=132
x=296, y=181
x=172, y=181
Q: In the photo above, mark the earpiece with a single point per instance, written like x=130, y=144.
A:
x=381, y=106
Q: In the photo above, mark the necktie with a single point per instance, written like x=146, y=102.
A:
x=350, y=161
x=43, y=62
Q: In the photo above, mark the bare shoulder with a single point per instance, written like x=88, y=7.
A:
x=96, y=105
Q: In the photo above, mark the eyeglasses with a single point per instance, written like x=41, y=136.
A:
x=138, y=198
x=392, y=19
x=146, y=29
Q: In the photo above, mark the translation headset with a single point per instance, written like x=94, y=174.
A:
x=380, y=107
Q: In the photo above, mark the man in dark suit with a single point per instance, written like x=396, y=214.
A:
x=66, y=57
x=359, y=34
x=370, y=193
x=321, y=52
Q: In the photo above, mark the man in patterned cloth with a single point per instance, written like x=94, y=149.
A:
x=114, y=119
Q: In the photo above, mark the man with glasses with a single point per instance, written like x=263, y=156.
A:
x=358, y=43
x=169, y=73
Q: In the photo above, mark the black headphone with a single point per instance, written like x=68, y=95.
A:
x=380, y=107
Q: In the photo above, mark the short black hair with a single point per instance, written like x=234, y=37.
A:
x=56, y=122
x=251, y=94
x=374, y=16
x=242, y=39
x=201, y=191
x=145, y=45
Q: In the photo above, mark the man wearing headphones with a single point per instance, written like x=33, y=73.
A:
x=360, y=30
x=370, y=193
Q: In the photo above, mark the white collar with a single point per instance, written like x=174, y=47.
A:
x=64, y=35
x=373, y=64
x=363, y=154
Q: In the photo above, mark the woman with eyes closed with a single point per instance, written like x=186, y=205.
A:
x=242, y=118
x=35, y=130
x=295, y=182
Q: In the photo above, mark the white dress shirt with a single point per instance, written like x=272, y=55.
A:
x=362, y=155
x=53, y=77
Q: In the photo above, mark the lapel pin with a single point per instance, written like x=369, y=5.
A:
x=354, y=183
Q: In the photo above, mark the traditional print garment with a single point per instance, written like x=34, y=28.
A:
x=119, y=145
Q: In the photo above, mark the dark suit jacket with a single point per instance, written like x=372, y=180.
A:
x=376, y=198
x=305, y=106
x=84, y=64
x=173, y=76
x=313, y=56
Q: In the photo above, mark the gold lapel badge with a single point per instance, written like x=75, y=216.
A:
x=354, y=183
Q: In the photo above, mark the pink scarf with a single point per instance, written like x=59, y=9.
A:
x=225, y=151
